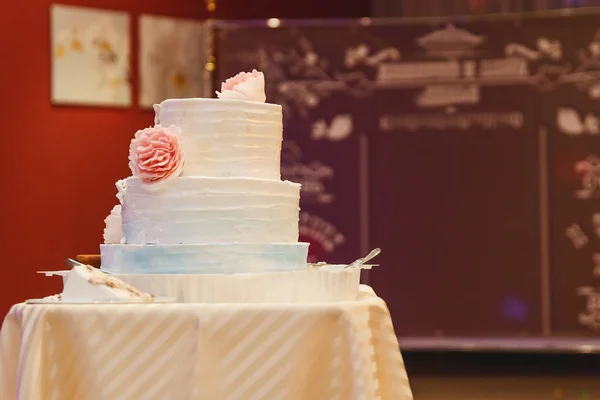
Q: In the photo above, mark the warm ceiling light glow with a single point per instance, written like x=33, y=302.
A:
x=210, y=67
x=586, y=348
x=273, y=22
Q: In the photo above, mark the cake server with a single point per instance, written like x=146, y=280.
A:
x=70, y=263
x=363, y=260
x=359, y=263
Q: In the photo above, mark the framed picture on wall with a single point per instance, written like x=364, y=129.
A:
x=90, y=57
x=172, y=59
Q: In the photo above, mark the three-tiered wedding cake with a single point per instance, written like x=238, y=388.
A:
x=205, y=195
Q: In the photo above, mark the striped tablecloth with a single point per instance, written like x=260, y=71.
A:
x=202, y=351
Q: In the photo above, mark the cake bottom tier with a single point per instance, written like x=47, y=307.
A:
x=308, y=286
x=233, y=258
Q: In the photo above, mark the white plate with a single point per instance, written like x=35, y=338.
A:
x=53, y=273
x=157, y=300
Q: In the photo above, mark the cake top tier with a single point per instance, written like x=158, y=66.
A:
x=200, y=115
x=236, y=135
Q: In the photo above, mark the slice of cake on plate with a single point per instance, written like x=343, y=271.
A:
x=85, y=283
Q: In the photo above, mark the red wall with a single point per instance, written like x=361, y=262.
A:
x=59, y=164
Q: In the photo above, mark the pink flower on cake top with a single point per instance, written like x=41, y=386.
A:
x=113, y=231
x=248, y=86
x=155, y=154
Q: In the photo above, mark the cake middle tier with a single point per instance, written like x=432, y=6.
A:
x=195, y=210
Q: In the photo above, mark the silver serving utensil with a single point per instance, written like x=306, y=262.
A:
x=334, y=267
x=71, y=263
x=363, y=260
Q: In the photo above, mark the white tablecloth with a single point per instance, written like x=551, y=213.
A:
x=202, y=351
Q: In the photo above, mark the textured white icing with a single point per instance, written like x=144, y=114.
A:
x=121, y=187
x=203, y=258
x=113, y=230
x=194, y=210
x=222, y=138
x=228, y=212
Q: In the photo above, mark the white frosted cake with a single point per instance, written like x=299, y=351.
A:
x=205, y=195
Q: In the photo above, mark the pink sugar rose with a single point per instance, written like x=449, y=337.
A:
x=244, y=86
x=155, y=154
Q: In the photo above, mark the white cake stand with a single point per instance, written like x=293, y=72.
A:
x=307, y=286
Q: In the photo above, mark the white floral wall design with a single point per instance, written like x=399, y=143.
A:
x=171, y=59
x=90, y=56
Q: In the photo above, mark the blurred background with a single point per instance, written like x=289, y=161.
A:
x=460, y=136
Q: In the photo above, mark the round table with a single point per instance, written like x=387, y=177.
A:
x=345, y=351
